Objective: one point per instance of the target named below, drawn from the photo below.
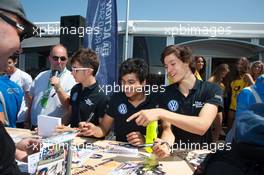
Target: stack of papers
(47, 125)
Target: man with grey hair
(51, 88)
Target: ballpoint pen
(150, 144)
(81, 124)
(90, 117)
(145, 145)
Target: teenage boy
(132, 76)
(87, 102)
(190, 105)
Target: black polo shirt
(202, 92)
(87, 102)
(120, 109)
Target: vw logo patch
(122, 108)
(173, 105)
(74, 96)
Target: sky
(157, 10)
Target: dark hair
(245, 64)
(87, 58)
(136, 66)
(181, 52)
(202, 71)
(14, 57)
(253, 65)
(219, 70)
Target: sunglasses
(56, 58)
(21, 28)
(75, 69)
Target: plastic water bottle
(151, 134)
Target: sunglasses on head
(21, 28)
(56, 58)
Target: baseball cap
(15, 7)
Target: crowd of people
(191, 109)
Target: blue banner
(102, 18)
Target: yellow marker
(151, 134)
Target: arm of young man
(89, 129)
(167, 134)
(162, 147)
(66, 118)
(193, 124)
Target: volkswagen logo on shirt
(122, 108)
(173, 105)
(74, 96)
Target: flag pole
(126, 39)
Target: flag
(102, 18)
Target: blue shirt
(246, 98)
(13, 95)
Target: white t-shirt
(24, 80)
(54, 107)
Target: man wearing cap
(14, 27)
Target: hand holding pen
(161, 149)
(82, 124)
(63, 128)
(87, 128)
